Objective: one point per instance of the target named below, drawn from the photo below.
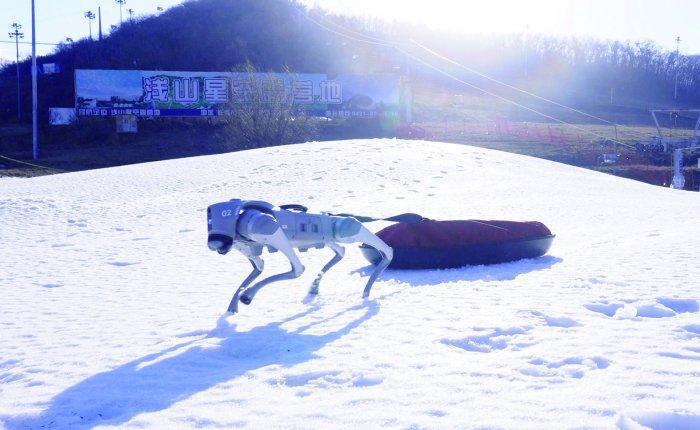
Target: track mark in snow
(646, 310)
(571, 367)
(693, 329)
(603, 281)
(121, 263)
(496, 339)
(325, 379)
(604, 308)
(680, 305)
(61, 245)
(662, 307)
(306, 378)
(671, 354)
(565, 322)
(78, 223)
(562, 321)
(8, 377)
(51, 285)
(660, 420)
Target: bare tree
(265, 115)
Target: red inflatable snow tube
(444, 244)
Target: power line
(29, 43)
(345, 35)
(505, 99)
(483, 75)
(514, 103)
(33, 165)
(349, 30)
(384, 42)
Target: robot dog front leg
(264, 229)
(258, 266)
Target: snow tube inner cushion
(444, 244)
(431, 233)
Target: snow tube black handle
(294, 207)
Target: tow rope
(408, 218)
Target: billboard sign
(50, 68)
(162, 93)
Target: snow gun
(249, 226)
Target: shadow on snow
(156, 381)
(486, 273)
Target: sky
(58, 19)
(623, 20)
(660, 21)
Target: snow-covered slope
(110, 305)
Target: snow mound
(112, 304)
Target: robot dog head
(221, 225)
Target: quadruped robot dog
(248, 226)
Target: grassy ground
(481, 121)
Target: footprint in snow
(553, 321)
(121, 263)
(680, 305)
(662, 307)
(660, 420)
(61, 245)
(604, 308)
(571, 367)
(329, 378)
(496, 339)
(692, 329)
(693, 354)
(81, 223)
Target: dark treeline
(219, 35)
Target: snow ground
(111, 301)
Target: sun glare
(504, 16)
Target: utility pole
(121, 3)
(90, 16)
(99, 23)
(17, 35)
(678, 50)
(131, 15)
(35, 92)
